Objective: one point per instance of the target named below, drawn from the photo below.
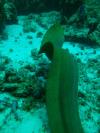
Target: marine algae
(62, 85)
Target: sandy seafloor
(18, 48)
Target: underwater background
(38, 37)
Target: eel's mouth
(48, 49)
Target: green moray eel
(62, 86)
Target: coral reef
(81, 16)
(30, 6)
(84, 23)
(27, 81)
(29, 25)
(2, 17)
(24, 72)
(89, 91)
(10, 12)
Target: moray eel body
(61, 91)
